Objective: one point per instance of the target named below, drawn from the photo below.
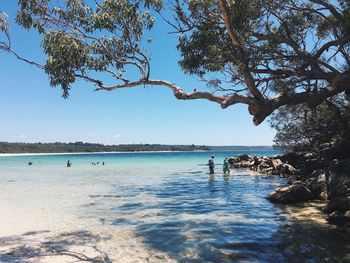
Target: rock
(289, 169)
(323, 196)
(263, 165)
(339, 218)
(339, 151)
(310, 165)
(277, 163)
(325, 148)
(268, 163)
(247, 164)
(234, 160)
(338, 178)
(317, 186)
(340, 204)
(256, 160)
(244, 157)
(269, 170)
(290, 194)
(292, 158)
(319, 173)
(309, 155)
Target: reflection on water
(174, 208)
(307, 241)
(219, 218)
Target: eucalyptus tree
(301, 128)
(262, 53)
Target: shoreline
(81, 153)
(78, 153)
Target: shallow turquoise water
(169, 201)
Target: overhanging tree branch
(257, 55)
(241, 56)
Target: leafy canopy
(262, 53)
(300, 128)
(79, 39)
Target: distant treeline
(240, 148)
(59, 147)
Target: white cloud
(116, 136)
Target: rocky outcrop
(291, 194)
(264, 165)
(338, 182)
(338, 178)
(339, 204)
(313, 188)
(321, 178)
(318, 187)
(339, 218)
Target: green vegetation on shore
(59, 147)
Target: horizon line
(171, 144)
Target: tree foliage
(262, 53)
(80, 39)
(299, 127)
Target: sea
(154, 207)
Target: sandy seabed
(40, 222)
(47, 236)
(77, 246)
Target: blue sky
(32, 111)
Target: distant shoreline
(10, 149)
(77, 153)
(85, 153)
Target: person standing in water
(211, 165)
(226, 166)
(69, 164)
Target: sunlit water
(153, 207)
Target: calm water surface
(169, 202)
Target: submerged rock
(290, 194)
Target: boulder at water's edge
(290, 194)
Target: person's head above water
(212, 156)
